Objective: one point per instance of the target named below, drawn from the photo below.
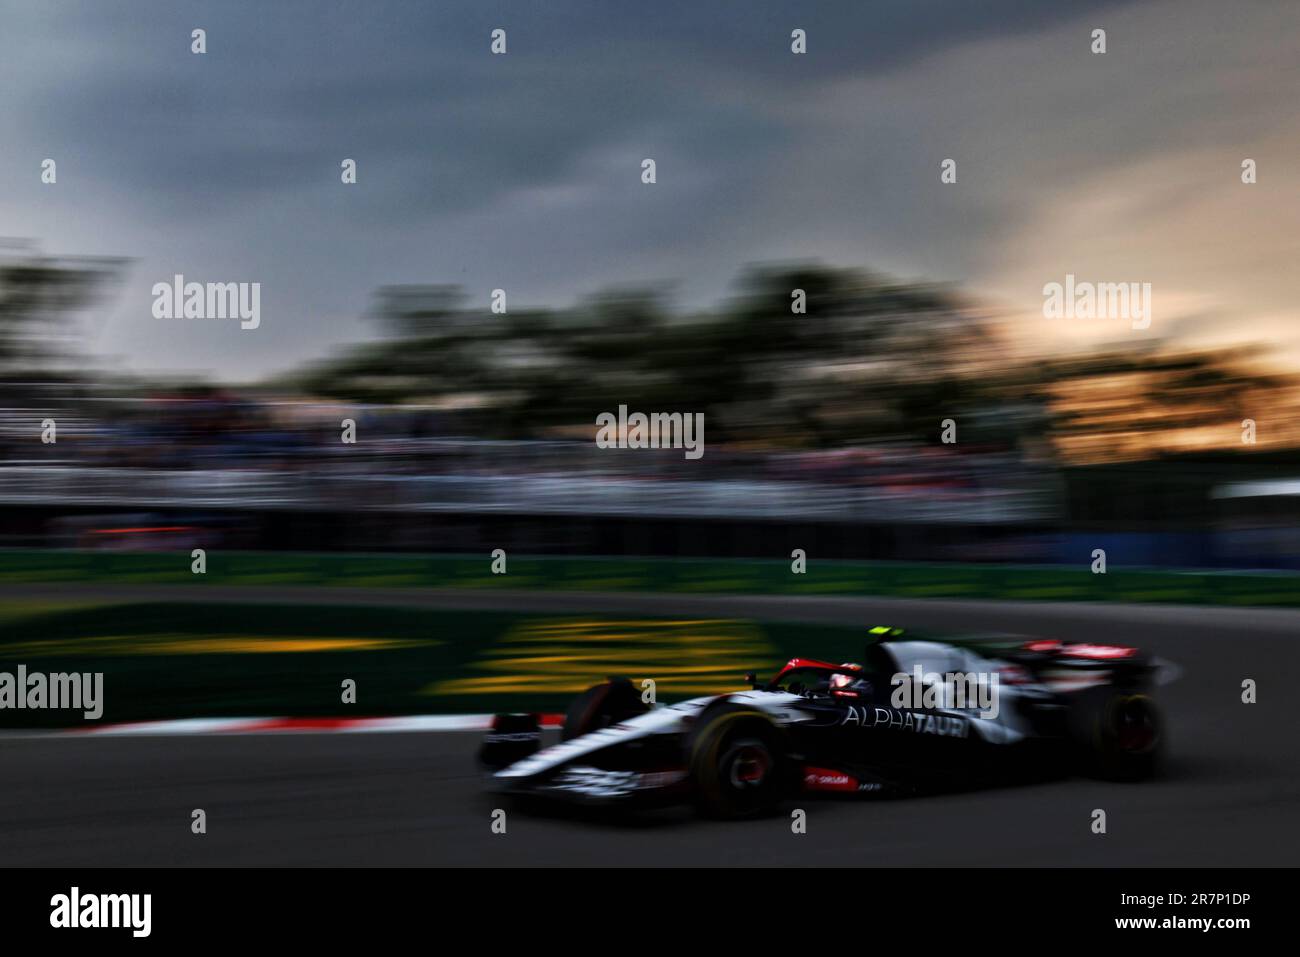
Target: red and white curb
(417, 722)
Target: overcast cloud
(523, 171)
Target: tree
(39, 298)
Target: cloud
(522, 171)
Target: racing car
(896, 722)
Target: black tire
(511, 738)
(737, 762)
(1119, 734)
(600, 706)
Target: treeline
(804, 357)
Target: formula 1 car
(898, 722)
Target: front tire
(737, 763)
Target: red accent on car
(1047, 644)
(807, 663)
(824, 779)
(1080, 649)
(1014, 675)
(1098, 651)
(142, 529)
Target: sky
(523, 171)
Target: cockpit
(824, 680)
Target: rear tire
(737, 763)
(600, 706)
(1119, 734)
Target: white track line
(418, 722)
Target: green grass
(918, 580)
